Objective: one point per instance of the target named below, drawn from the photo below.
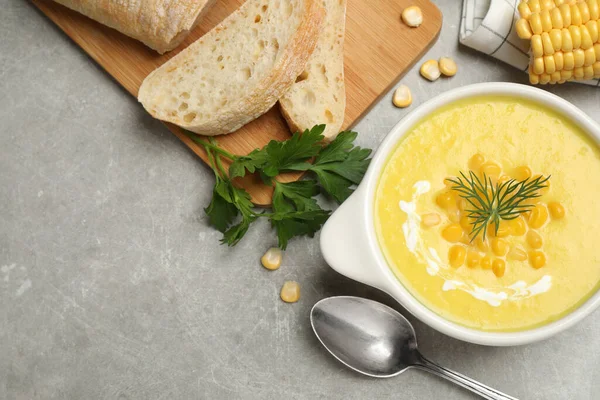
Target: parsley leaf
(295, 196)
(340, 165)
(290, 155)
(221, 211)
(297, 223)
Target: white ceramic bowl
(349, 243)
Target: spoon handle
(482, 390)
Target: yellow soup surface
(536, 268)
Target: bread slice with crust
(238, 70)
(159, 24)
(319, 94)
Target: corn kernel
(555, 39)
(576, 19)
(453, 214)
(431, 219)
(473, 258)
(557, 211)
(546, 20)
(569, 61)
(465, 223)
(584, 11)
(457, 255)
(567, 41)
(447, 66)
(524, 11)
(578, 73)
(290, 292)
(430, 70)
(594, 10)
(538, 216)
(517, 254)
(549, 65)
(463, 204)
(544, 78)
(499, 267)
(523, 29)
(589, 57)
(452, 233)
(534, 79)
(559, 60)
(557, 20)
(486, 262)
(538, 65)
(491, 169)
(272, 258)
(592, 27)
(588, 72)
(522, 173)
(536, 24)
(412, 16)
(565, 11)
(547, 44)
(575, 36)
(475, 162)
(517, 226)
(502, 231)
(537, 259)
(596, 68)
(402, 97)
(586, 39)
(482, 244)
(503, 179)
(537, 46)
(445, 200)
(500, 247)
(534, 240)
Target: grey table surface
(112, 286)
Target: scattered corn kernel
(445, 200)
(431, 219)
(502, 231)
(453, 213)
(486, 262)
(499, 267)
(482, 244)
(412, 16)
(534, 239)
(473, 258)
(457, 255)
(517, 226)
(537, 259)
(557, 211)
(475, 162)
(452, 233)
(290, 292)
(500, 247)
(522, 173)
(538, 216)
(272, 258)
(491, 169)
(518, 254)
(430, 70)
(465, 223)
(447, 66)
(463, 204)
(402, 97)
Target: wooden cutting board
(378, 50)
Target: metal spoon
(377, 341)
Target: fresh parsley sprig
(492, 203)
(337, 166)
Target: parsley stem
(213, 147)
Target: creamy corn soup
(528, 270)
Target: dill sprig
(491, 203)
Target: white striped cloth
(489, 26)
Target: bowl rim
(394, 286)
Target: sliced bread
(159, 24)
(238, 70)
(319, 94)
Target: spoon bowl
(376, 340)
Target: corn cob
(564, 37)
